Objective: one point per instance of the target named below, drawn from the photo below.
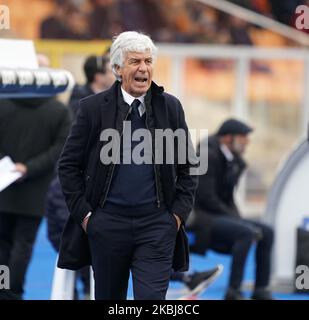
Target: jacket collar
(159, 110)
(154, 102)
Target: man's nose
(142, 66)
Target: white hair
(129, 41)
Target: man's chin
(140, 91)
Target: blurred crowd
(165, 20)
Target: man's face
(105, 80)
(239, 143)
(136, 72)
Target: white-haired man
(126, 217)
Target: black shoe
(199, 281)
(233, 294)
(262, 294)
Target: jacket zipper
(154, 165)
(113, 169)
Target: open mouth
(141, 79)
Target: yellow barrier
(56, 49)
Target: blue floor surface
(39, 277)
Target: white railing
(242, 55)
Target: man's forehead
(138, 55)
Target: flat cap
(233, 126)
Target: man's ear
(118, 70)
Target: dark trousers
(17, 236)
(235, 236)
(84, 275)
(144, 245)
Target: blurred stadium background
(221, 58)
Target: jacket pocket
(174, 221)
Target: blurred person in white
(32, 133)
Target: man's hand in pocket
(178, 221)
(85, 222)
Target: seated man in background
(218, 224)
